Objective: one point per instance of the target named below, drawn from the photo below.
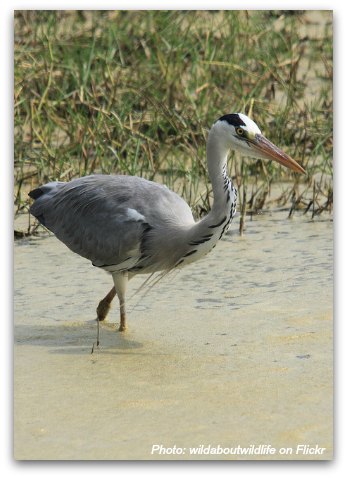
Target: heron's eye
(240, 131)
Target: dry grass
(133, 92)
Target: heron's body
(127, 225)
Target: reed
(133, 92)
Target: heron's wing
(106, 218)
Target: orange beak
(269, 151)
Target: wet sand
(233, 350)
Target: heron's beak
(269, 151)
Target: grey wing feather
(106, 218)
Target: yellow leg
(105, 304)
(123, 320)
(120, 283)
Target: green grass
(134, 92)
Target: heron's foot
(103, 309)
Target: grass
(134, 92)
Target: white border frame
(225, 468)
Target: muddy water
(235, 350)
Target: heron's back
(111, 219)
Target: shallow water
(233, 350)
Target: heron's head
(240, 133)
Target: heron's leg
(105, 305)
(120, 283)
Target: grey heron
(128, 225)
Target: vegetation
(134, 92)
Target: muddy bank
(233, 350)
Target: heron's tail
(42, 196)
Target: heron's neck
(217, 154)
(204, 234)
